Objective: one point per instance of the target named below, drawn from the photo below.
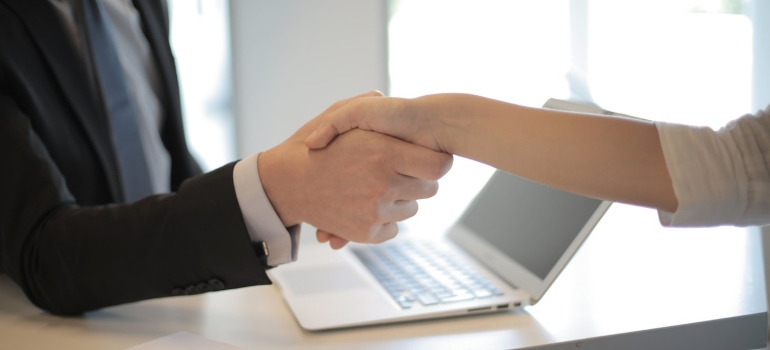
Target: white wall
(294, 58)
(760, 16)
(200, 37)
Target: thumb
(337, 122)
(322, 135)
(327, 131)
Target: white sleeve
(261, 220)
(719, 177)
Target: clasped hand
(355, 188)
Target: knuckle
(435, 167)
(405, 210)
(420, 189)
(391, 230)
(373, 216)
(374, 234)
(443, 164)
(385, 232)
(448, 162)
(380, 191)
(394, 190)
(413, 209)
(435, 172)
(431, 188)
(380, 158)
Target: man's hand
(356, 188)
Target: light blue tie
(135, 176)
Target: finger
(333, 125)
(341, 103)
(385, 232)
(310, 128)
(322, 236)
(336, 242)
(400, 210)
(333, 108)
(413, 188)
(420, 162)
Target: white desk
(629, 287)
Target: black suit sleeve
(70, 259)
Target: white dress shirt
(719, 177)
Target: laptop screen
(531, 223)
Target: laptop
(504, 252)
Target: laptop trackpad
(322, 280)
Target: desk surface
(633, 284)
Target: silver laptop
(504, 252)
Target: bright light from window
(516, 51)
(200, 40)
(658, 60)
(675, 60)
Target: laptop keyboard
(419, 272)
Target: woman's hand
(397, 117)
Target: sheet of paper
(183, 341)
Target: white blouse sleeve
(719, 177)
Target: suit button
(202, 288)
(190, 290)
(177, 291)
(216, 284)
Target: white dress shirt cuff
(262, 222)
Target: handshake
(354, 187)
(354, 184)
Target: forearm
(598, 156)
(69, 259)
(84, 258)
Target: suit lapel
(155, 27)
(156, 30)
(49, 33)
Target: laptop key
(454, 298)
(444, 294)
(427, 299)
(495, 291)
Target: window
(682, 61)
(686, 61)
(200, 40)
(516, 51)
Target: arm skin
(603, 157)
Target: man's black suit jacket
(61, 237)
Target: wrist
(442, 115)
(275, 173)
